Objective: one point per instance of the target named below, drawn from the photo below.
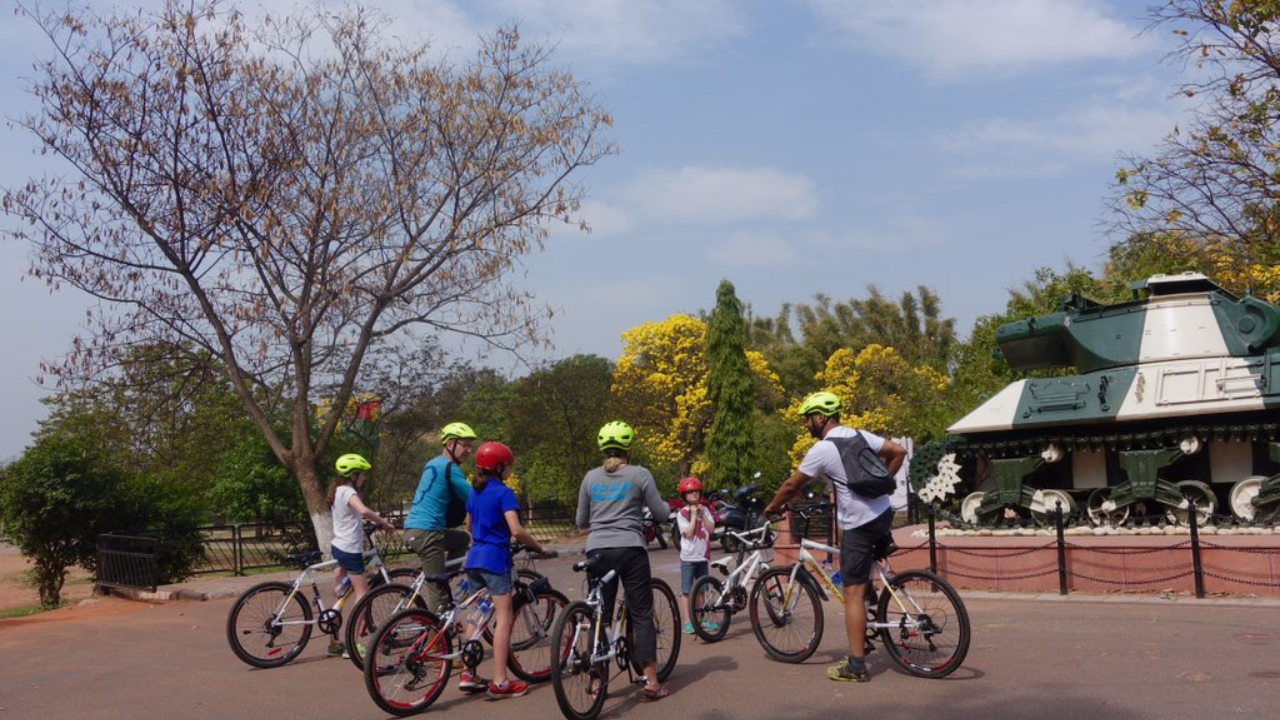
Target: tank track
(1148, 449)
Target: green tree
(54, 502)
(913, 326)
(730, 387)
(553, 418)
(287, 194)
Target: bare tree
(289, 193)
(1215, 180)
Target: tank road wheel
(969, 507)
(1206, 503)
(1045, 504)
(1242, 494)
(1102, 509)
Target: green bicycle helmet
(457, 431)
(824, 403)
(350, 464)
(615, 435)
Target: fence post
(933, 540)
(1062, 551)
(237, 551)
(1197, 569)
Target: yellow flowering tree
(660, 389)
(880, 392)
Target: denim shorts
(351, 562)
(498, 583)
(690, 571)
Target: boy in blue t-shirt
(495, 519)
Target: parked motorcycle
(742, 512)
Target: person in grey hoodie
(611, 504)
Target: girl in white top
(695, 523)
(348, 528)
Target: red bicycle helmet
(689, 484)
(495, 457)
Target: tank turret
(1173, 402)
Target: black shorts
(855, 548)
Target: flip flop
(650, 695)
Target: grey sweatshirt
(612, 506)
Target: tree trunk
(313, 491)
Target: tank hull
(1174, 408)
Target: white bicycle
(712, 601)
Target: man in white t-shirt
(863, 520)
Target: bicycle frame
(880, 570)
(307, 576)
(750, 566)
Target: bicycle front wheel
(531, 655)
(263, 630)
(580, 685)
(710, 609)
(929, 637)
(666, 629)
(373, 609)
(406, 669)
(786, 615)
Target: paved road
(1042, 658)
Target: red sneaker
(469, 682)
(510, 689)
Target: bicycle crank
(330, 622)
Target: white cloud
(958, 39)
(1098, 129)
(723, 195)
(754, 248)
(596, 34)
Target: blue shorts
(690, 571)
(351, 562)
(498, 583)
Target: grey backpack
(867, 473)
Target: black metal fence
(128, 561)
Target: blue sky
(793, 147)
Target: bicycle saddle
(304, 559)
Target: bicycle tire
(709, 609)
(370, 612)
(400, 675)
(402, 576)
(573, 675)
(938, 648)
(789, 626)
(666, 629)
(255, 632)
(531, 655)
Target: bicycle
(918, 617)
(712, 602)
(270, 623)
(411, 658)
(380, 604)
(586, 646)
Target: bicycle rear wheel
(265, 632)
(666, 629)
(373, 609)
(531, 655)
(930, 633)
(406, 671)
(786, 615)
(580, 685)
(710, 609)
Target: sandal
(650, 695)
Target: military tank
(1175, 405)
